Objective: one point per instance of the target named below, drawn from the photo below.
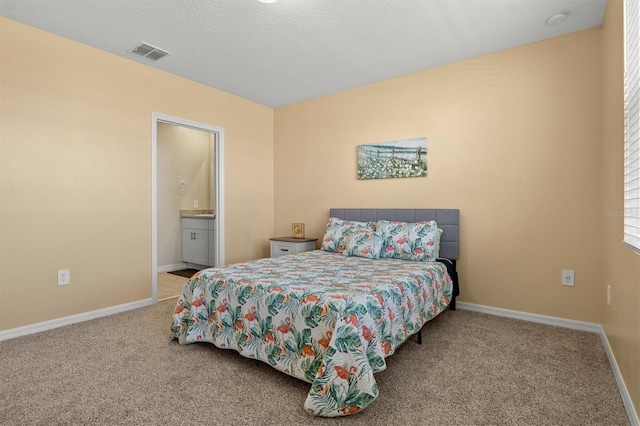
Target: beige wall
(75, 173)
(514, 143)
(621, 267)
(183, 155)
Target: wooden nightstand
(282, 246)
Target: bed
(328, 318)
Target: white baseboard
(526, 316)
(72, 319)
(566, 323)
(174, 267)
(626, 399)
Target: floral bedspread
(322, 317)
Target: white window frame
(632, 124)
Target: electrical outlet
(64, 277)
(195, 204)
(567, 277)
(608, 295)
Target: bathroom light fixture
(267, 1)
(558, 18)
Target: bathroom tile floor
(170, 285)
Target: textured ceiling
(293, 50)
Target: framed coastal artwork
(401, 158)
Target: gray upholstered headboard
(448, 220)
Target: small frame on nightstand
(297, 230)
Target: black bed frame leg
(420, 337)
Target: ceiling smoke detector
(149, 51)
(558, 18)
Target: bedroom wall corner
(513, 141)
(621, 266)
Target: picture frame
(402, 158)
(297, 230)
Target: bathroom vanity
(198, 239)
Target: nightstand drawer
(280, 249)
(285, 246)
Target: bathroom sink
(210, 216)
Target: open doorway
(209, 198)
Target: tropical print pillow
(337, 229)
(410, 241)
(363, 243)
(436, 251)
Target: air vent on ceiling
(148, 51)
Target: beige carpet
(472, 369)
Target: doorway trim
(218, 185)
